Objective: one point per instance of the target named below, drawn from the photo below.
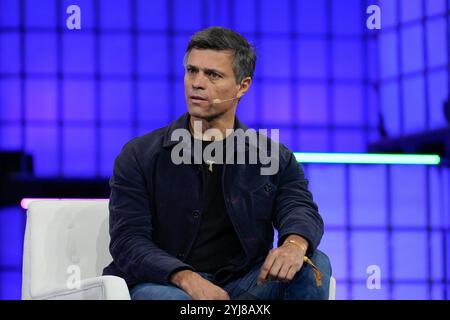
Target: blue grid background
(73, 98)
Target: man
(204, 231)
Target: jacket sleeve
(131, 246)
(296, 212)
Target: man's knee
(153, 291)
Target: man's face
(209, 75)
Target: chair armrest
(332, 293)
(99, 288)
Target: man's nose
(199, 81)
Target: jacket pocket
(263, 201)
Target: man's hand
(198, 287)
(285, 261)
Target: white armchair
(65, 251)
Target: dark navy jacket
(155, 207)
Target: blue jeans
(302, 287)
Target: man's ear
(244, 86)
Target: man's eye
(214, 75)
(190, 70)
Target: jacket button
(180, 255)
(196, 213)
(268, 187)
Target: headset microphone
(216, 101)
